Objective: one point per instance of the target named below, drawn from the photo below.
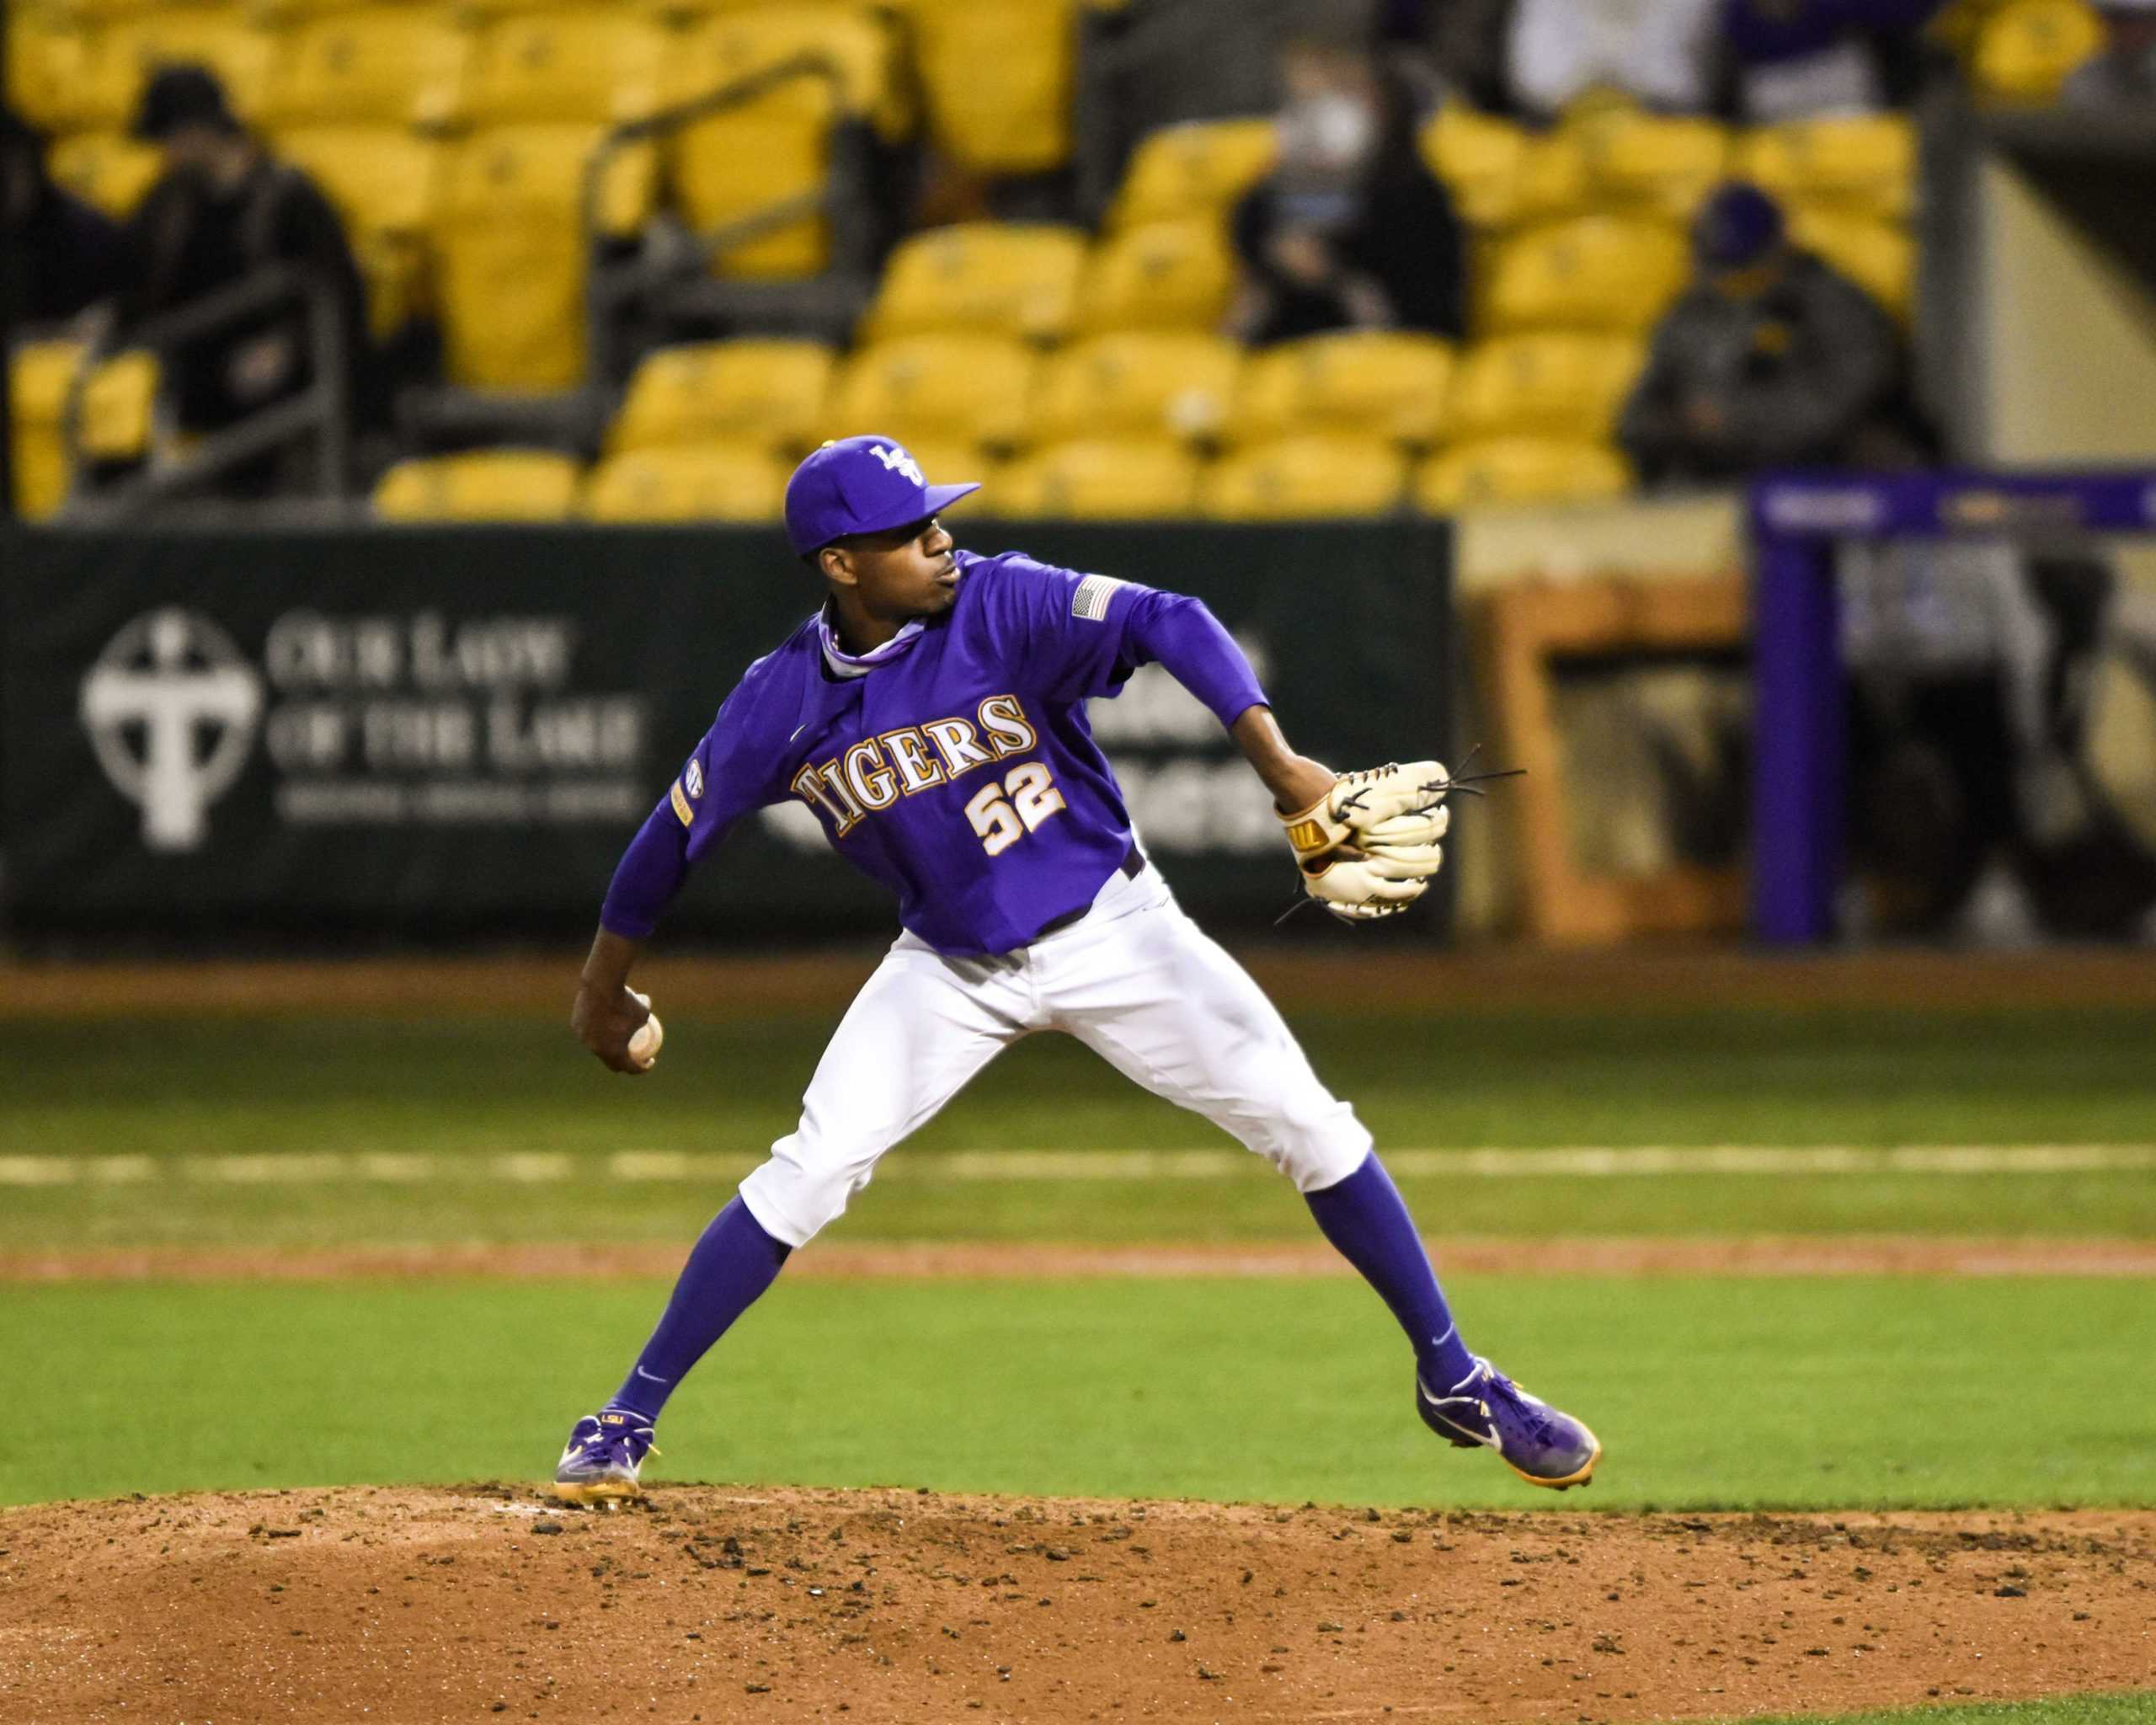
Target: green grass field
(1827, 1393)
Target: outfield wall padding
(446, 733)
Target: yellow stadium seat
(767, 395)
(48, 64)
(223, 38)
(1201, 168)
(106, 169)
(990, 278)
(380, 66)
(511, 254)
(690, 482)
(1141, 383)
(1547, 382)
(1878, 256)
(486, 485)
(120, 401)
(1305, 478)
(1478, 157)
(998, 79)
(1098, 478)
(1553, 182)
(1162, 275)
(596, 65)
(1502, 472)
(862, 47)
(1863, 165)
(38, 376)
(1650, 164)
(969, 389)
(1593, 272)
(2027, 51)
(386, 184)
(1374, 383)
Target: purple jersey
(954, 764)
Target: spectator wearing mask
(223, 210)
(1662, 53)
(2123, 75)
(72, 255)
(1795, 58)
(1350, 230)
(1770, 360)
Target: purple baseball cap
(860, 485)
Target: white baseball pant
(1134, 980)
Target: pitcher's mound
(728, 1603)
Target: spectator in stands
(1458, 46)
(72, 255)
(2124, 75)
(1770, 360)
(1660, 52)
(223, 210)
(1350, 230)
(1791, 58)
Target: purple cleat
(1487, 1410)
(599, 1462)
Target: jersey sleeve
(1078, 636)
(728, 777)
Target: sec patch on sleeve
(682, 811)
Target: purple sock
(1365, 1220)
(728, 1269)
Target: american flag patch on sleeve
(1090, 599)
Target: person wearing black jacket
(72, 255)
(1350, 230)
(223, 210)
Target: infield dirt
(719, 1604)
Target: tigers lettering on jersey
(875, 772)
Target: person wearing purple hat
(1772, 359)
(931, 714)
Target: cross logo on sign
(898, 462)
(170, 709)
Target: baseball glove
(1367, 848)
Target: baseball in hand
(650, 1035)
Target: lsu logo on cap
(898, 462)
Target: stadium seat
(1553, 182)
(39, 374)
(1373, 383)
(1500, 472)
(1305, 478)
(936, 389)
(511, 252)
(690, 482)
(48, 63)
(486, 485)
(1477, 157)
(998, 80)
(379, 65)
(1649, 164)
(120, 401)
(1162, 275)
(1878, 256)
(105, 169)
(768, 395)
(1137, 384)
(1201, 168)
(1861, 164)
(223, 38)
(1556, 383)
(989, 277)
(1593, 272)
(386, 184)
(2027, 51)
(863, 46)
(733, 169)
(1097, 478)
(594, 66)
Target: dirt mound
(726, 1604)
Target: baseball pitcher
(932, 713)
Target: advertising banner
(442, 732)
